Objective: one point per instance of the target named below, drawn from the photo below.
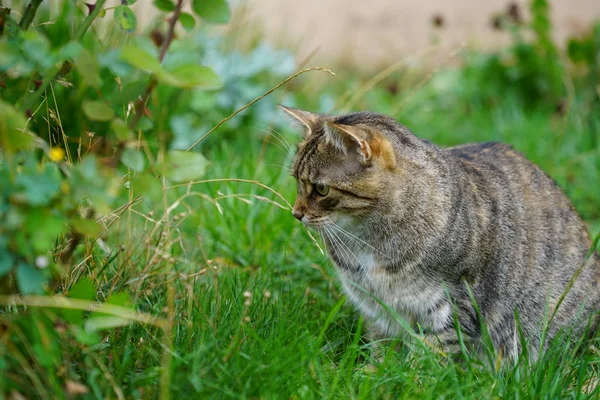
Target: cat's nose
(297, 214)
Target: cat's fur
(416, 226)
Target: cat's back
(523, 194)
(538, 238)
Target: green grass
(256, 310)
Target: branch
(4, 13)
(29, 14)
(65, 68)
(140, 105)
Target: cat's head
(349, 166)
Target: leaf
(183, 166)
(85, 337)
(121, 130)
(13, 136)
(98, 110)
(43, 227)
(216, 11)
(29, 279)
(194, 76)
(40, 188)
(86, 226)
(184, 76)
(6, 262)
(122, 299)
(128, 2)
(140, 59)
(134, 159)
(129, 93)
(146, 185)
(84, 290)
(187, 21)
(164, 5)
(125, 18)
(88, 68)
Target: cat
(474, 231)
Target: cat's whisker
(346, 247)
(288, 169)
(283, 139)
(357, 239)
(279, 146)
(336, 246)
(287, 148)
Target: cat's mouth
(314, 222)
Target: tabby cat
(424, 229)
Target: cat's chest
(416, 298)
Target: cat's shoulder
(494, 152)
(481, 149)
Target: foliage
(149, 271)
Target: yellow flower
(57, 154)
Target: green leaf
(85, 337)
(193, 76)
(13, 136)
(183, 166)
(164, 5)
(187, 21)
(6, 262)
(129, 93)
(40, 187)
(120, 128)
(85, 64)
(140, 59)
(43, 227)
(147, 186)
(84, 290)
(122, 299)
(29, 279)
(128, 2)
(216, 11)
(125, 18)
(134, 159)
(98, 110)
(184, 76)
(86, 226)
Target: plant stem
(29, 14)
(4, 13)
(140, 105)
(89, 19)
(26, 102)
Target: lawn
(233, 297)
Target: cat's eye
(322, 189)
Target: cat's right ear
(304, 118)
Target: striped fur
(416, 227)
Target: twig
(4, 13)
(29, 14)
(259, 98)
(140, 105)
(65, 68)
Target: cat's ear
(349, 137)
(304, 118)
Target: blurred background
(368, 35)
(144, 164)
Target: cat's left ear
(305, 118)
(347, 138)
